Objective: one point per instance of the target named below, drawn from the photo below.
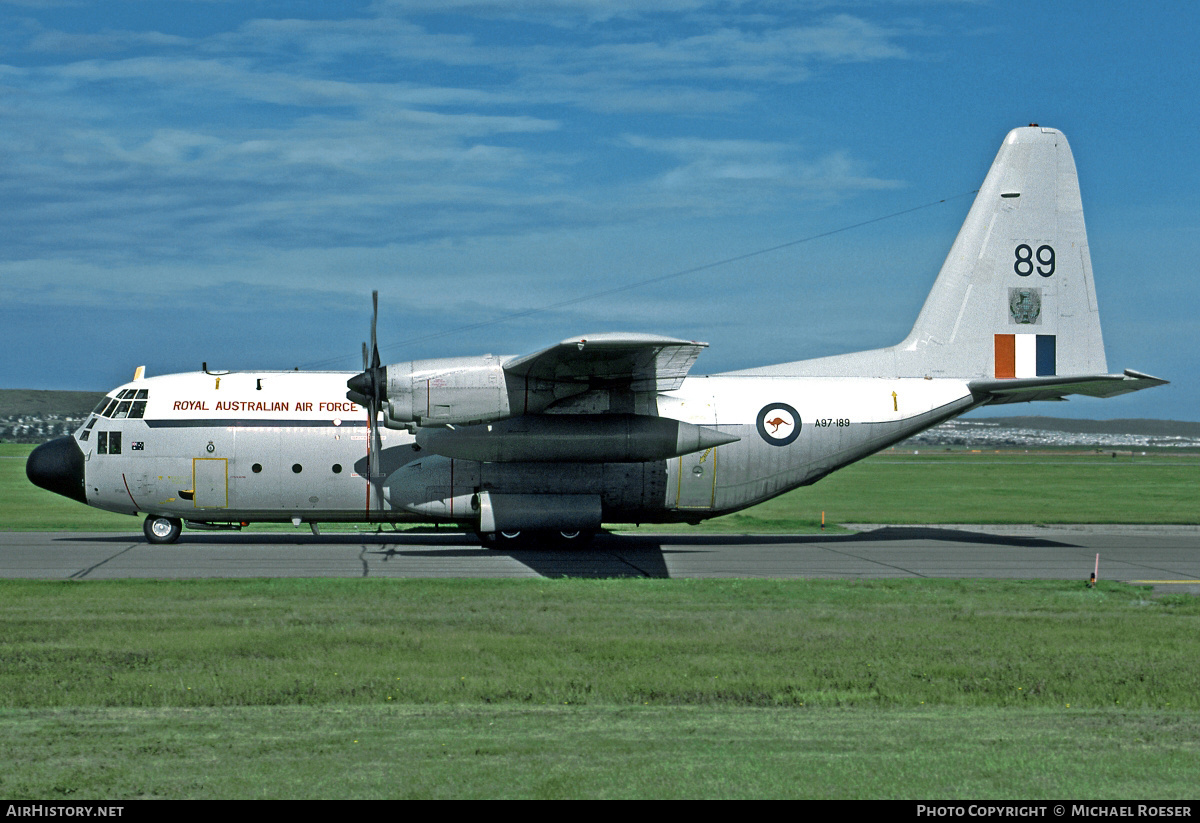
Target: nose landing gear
(162, 529)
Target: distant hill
(42, 403)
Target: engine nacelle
(453, 390)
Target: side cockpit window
(108, 442)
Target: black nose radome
(58, 467)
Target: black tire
(161, 530)
(504, 540)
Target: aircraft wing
(643, 362)
(1022, 390)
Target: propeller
(369, 389)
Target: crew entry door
(697, 480)
(210, 482)
(696, 473)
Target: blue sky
(228, 181)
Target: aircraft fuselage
(279, 446)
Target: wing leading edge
(641, 362)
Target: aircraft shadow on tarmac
(608, 555)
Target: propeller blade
(369, 389)
(374, 320)
(373, 461)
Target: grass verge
(597, 688)
(335, 752)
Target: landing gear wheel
(162, 529)
(502, 540)
(575, 539)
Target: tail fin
(1013, 310)
(1014, 298)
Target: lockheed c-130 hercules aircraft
(607, 428)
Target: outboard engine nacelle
(452, 390)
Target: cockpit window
(124, 404)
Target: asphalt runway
(1164, 556)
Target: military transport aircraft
(607, 427)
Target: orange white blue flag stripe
(1026, 355)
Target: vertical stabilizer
(1015, 297)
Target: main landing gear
(162, 529)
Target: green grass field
(625, 688)
(585, 688)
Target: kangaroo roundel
(778, 424)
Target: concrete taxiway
(1163, 556)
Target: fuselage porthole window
(337, 468)
(256, 468)
(297, 468)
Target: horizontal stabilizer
(1023, 390)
